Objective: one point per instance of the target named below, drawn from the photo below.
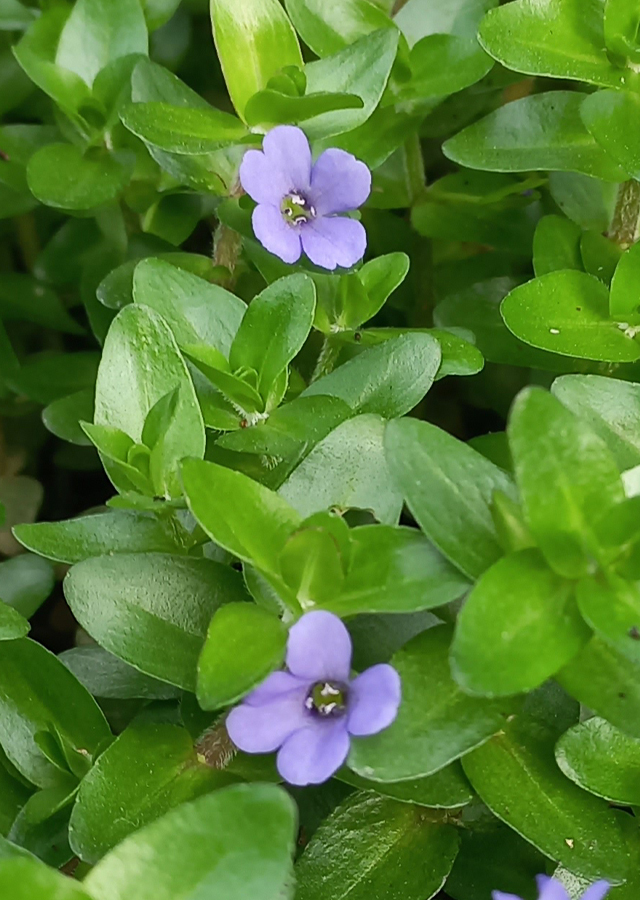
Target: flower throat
(296, 209)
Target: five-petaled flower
(550, 889)
(310, 712)
(299, 202)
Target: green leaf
(108, 677)
(556, 245)
(606, 682)
(443, 64)
(45, 377)
(244, 644)
(623, 301)
(99, 31)
(610, 407)
(38, 694)
(559, 38)
(567, 478)
(15, 16)
(394, 570)
(202, 847)
(36, 53)
(29, 879)
(621, 23)
(59, 175)
(274, 329)
(602, 760)
(196, 311)
(600, 255)
(437, 723)
(152, 610)
(451, 501)
(587, 201)
(330, 27)
(542, 131)
(254, 43)
(140, 364)
(613, 118)
(25, 582)
(346, 470)
(387, 849)
(147, 771)
(158, 12)
(42, 824)
(63, 416)
(460, 17)
(13, 796)
(241, 515)
(12, 624)
(22, 298)
(99, 534)
(516, 775)
(567, 312)
(182, 130)
(312, 564)
(272, 107)
(362, 69)
(380, 277)
(611, 606)
(519, 625)
(446, 789)
(388, 380)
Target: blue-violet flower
(299, 202)
(309, 712)
(550, 889)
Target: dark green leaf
(151, 610)
(519, 625)
(25, 582)
(556, 245)
(243, 645)
(613, 118)
(437, 722)
(451, 500)
(146, 772)
(108, 677)
(202, 847)
(59, 175)
(542, 131)
(181, 129)
(387, 850)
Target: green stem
(327, 359)
(227, 244)
(625, 225)
(414, 162)
(28, 239)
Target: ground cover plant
(319, 450)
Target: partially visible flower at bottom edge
(310, 712)
(550, 889)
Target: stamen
(327, 699)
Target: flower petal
(264, 728)
(319, 648)
(550, 889)
(275, 234)
(334, 241)
(500, 895)
(597, 891)
(274, 687)
(312, 755)
(287, 150)
(262, 180)
(374, 698)
(339, 183)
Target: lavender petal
(275, 234)
(550, 889)
(312, 755)
(374, 699)
(597, 891)
(339, 183)
(287, 150)
(274, 687)
(319, 648)
(500, 895)
(264, 728)
(334, 241)
(262, 180)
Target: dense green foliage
(199, 443)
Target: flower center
(296, 209)
(327, 699)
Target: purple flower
(550, 889)
(299, 202)
(309, 712)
